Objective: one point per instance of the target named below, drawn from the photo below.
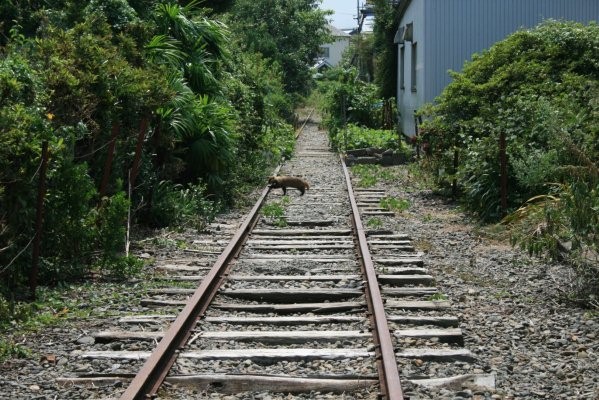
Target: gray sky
(345, 12)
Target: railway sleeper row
(425, 360)
(292, 315)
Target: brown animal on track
(284, 182)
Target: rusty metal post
(503, 172)
(39, 218)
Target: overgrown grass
(275, 211)
(9, 349)
(356, 137)
(394, 204)
(60, 306)
(370, 174)
(374, 223)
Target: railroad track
(306, 302)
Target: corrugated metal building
(435, 36)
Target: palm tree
(194, 135)
(195, 45)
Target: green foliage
(70, 224)
(347, 100)
(9, 349)
(535, 88)
(72, 74)
(191, 43)
(207, 144)
(394, 204)
(50, 307)
(374, 223)
(437, 297)
(275, 211)
(370, 174)
(118, 13)
(123, 267)
(110, 219)
(355, 137)
(386, 21)
(12, 312)
(179, 206)
(288, 32)
(565, 226)
(539, 88)
(360, 55)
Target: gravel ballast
(508, 305)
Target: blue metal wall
(452, 30)
(455, 29)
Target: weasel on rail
(284, 182)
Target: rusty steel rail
(149, 378)
(387, 365)
(299, 131)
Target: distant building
(331, 53)
(435, 36)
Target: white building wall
(336, 50)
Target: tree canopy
(538, 89)
(289, 32)
(167, 96)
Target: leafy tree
(199, 126)
(538, 88)
(386, 20)
(349, 100)
(288, 32)
(73, 73)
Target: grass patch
(369, 175)
(374, 223)
(275, 211)
(394, 204)
(61, 305)
(10, 349)
(437, 297)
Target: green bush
(355, 137)
(177, 205)
(348, 100)
(540, 89)
(217, 113)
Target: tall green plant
(288, 32)
(347, 99)
(190, 42)
(530, 88)
(538, 88)
(385, 26)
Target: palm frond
(162, 48)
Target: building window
(402, 67)
(324, 52)
(413, 69)
(408, 34)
